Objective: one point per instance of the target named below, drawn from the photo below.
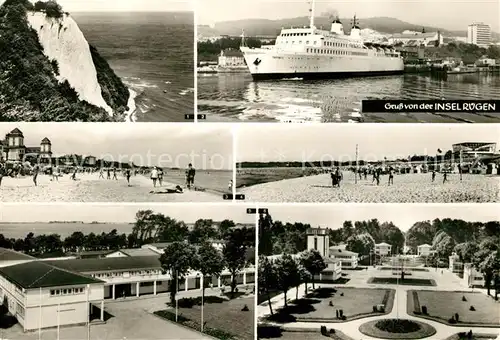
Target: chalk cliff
(49, 72)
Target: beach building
(40, 295)
(479, 34)
(383, 249)
(12, 148)
(318, 239)
(475, 149)
(230, 58)
(424, 250)
(472, 277)
(455, 265)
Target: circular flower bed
(397, 329)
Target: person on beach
(374, 173)
(445, 177)
(2, 173)
(154, 176)
(114, 174)
(36, 169)
(160, 176)
(73, 176)
(190, 173)
(365, 173)
(55, 173)
(109, 173)
(391, 176)
(101, 173)
(127, 175)
(230, 186)
(433, 175)
(177, 190)
(460, 170)
(377, 175)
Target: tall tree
(486, 260)
(265, 234)
(267, 278)
(177, 260)
(287, 273)
(361, 243)
(313, 262)
(234, 252)
(202, 231)
(209, 262)
(224, 227)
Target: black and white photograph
(371, 271)
(93, 162)
(97, 61)
(350, 163)
(299, 61)
(86, 271)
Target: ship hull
(323, 75)
(269, 64)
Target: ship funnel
(337, 27)
(355, 30)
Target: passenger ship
(311, 53)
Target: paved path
(445, 279)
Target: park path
(351, 328)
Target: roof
(33, 149)
(383, 244)
(36, 274)
(138, 252)
(15, 132)
(424, 245)
(92, 253)
(414, 35)
(232, 53)
(336, 251)
(12, 255)
(158, 245)
(109, 264)
(45, 141)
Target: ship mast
(311, 10)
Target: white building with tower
(318, 239)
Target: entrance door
(123, 290)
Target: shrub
(332, 331)
(424, 310)
(472, 308)
(341, 294)
(330, 303)
(268, 331)
(397, 326)
(40, 6)
(55, 66)
(375, 310)
(337, 313)
(457, 317)
(53, 10)
(452, 320)
(341, 312)
(463, 298)
(323, 330)
(245, 309)
(344, 317)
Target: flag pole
(203, 286)
(176, 292)
(356, 171)
(58, 319)
(88, 313)
(40, 317)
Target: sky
(447, 14)
(120, 213)
(402, 215)
(125, 5)
(165, 145)
(326, 142)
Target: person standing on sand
(109, 173)
(114, 174)
(36, 169)
(230, 186)
(101, 173)
(55, 173)
(127, 174)
(2, 173)
(391, 176)
(433, 175)
(190, 173)
(160, 176)
(445, 177)
(154, 176)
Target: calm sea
(152, 53)
(235, 97)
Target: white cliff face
(63, 41)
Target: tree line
(210, 50)
(287, 272)
(474, 242)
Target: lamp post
(356, 170)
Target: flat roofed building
(424, 250)
(383, 249)
(40, 295)
(348, 259)
(479, 34)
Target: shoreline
(131, 113)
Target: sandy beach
(89, 188)
(407, 188)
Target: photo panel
(378, 271)
(319, 61)
(97, 61)
(89, 271)
(96, 162)
(385, 163)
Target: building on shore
(479, 34)
(411, 38)
(472, 277)
(12, 148)
(231, 58)
(455, 265)
(319, 240)
(348, 259)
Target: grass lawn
(462, 336)
(354, 302)
(226, 316)
(406, 281)
(442, 305)
(301, 335)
